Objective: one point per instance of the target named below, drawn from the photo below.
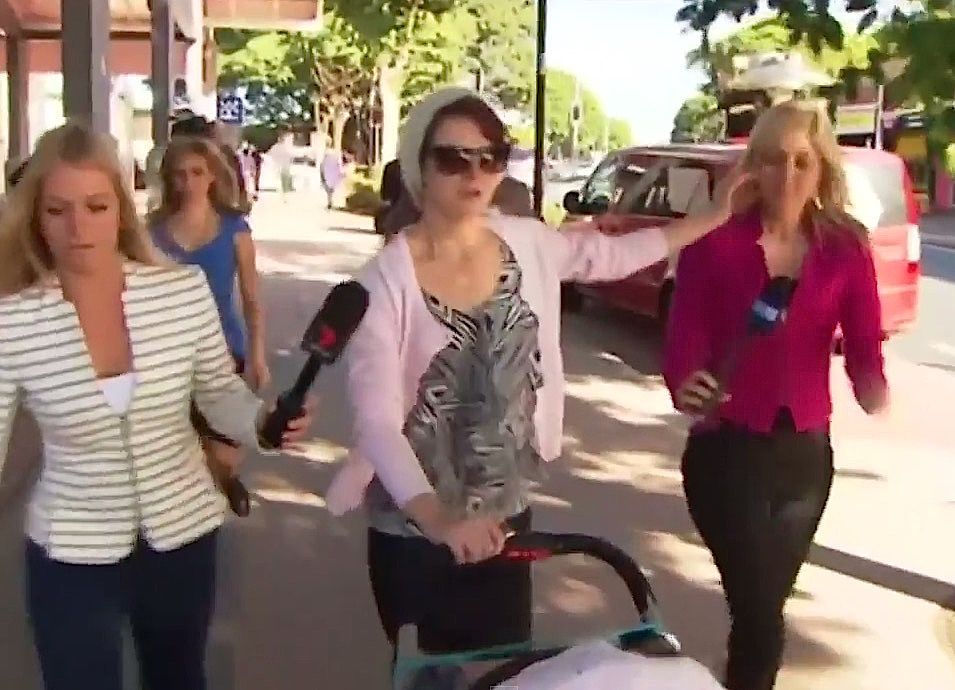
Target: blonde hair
(224, 190)
(828, 210)
(27, 260)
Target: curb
(947, 241)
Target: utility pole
(879, 117)
(540, 121)
(575, 121)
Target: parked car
(647, 186)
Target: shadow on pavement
(936, 365)
(883, 575)
(619, 336)
(859, 474)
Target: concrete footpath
(295, 610)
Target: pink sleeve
(584, 254)
(373, 371)
(861, 320)
(688, 344)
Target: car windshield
(876, 192)
(665, 187)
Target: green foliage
(554, 214)
(523, 136)
(773, 34)
(950, 158)
(424, 44)
(263, 63)
(411, 47)
(917, 37)
(362, 198)
(561, 92)
(621, 134)
(699, 119)
(504, 48)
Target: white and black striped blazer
(108, 478)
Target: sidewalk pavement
(295, 610)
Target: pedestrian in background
(757, 470)
(456, 382)
(513, 198)
(397, 209)
(106, 343)
(199, 222)
(257, 170)
(332, 171)
(282, 154)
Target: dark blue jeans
(756, 500)
(78, 612)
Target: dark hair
(195, 126)
(471, 108)
(392, 185)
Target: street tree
(773, 34)
(412, 44)
(620, 134)
(698, 119)
(299, 77)
(919, 35)
(260, 63)
(503, 52)
(418, 45)
(561, 93)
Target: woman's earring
(818, 202)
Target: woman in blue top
(198, 222)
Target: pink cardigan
(398, 338)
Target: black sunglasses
(457, 160)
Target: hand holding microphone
(704, 391)
(700, 392)
(324, 341)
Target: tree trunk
(391, 79)
(339, 120)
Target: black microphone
(767, 313)
(324, 341)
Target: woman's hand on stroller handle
(474, 539)
(471, 539)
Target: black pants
(455, 607)
(78, 612)
(756, 500)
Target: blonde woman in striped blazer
(106, 344)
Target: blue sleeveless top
(217, 259)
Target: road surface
(295, 610)
(933, 341)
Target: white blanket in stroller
(599, 665)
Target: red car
(646, 186)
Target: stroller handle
(538, 546)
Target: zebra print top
(471, 426)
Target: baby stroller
(646, 650)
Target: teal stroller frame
(485, 669)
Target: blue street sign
(230, 109)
